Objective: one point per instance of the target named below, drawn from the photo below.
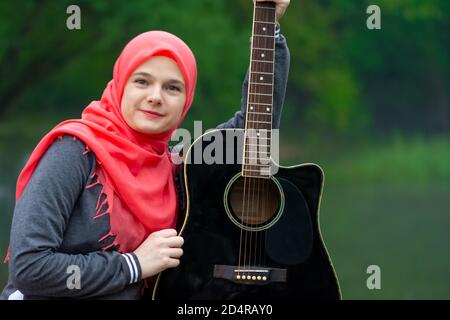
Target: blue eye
(174, 88)
(140, 81)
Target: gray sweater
(55, 251)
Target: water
(404, 231)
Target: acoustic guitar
(251, 227)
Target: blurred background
(371, 107)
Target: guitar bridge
(249, 275)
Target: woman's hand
(281, 6)
(161, 250)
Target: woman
(96, 202)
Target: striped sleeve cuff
(277, 30)
(133, 266)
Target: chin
(151, 130)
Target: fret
(265, 175)
(269, 73)
(267, 22)
(263, 61)
(260, 94)
(259, 125)
(262, 159)
(261, 113)
(258, 145)
(266, 147)
(261, 176)
(259, 138)
(265, 152)
(257, 157)
(262, 144)
(257, 174)
(262, 167)
(261, 171)
(259, 121)
(263, 35)
(270, 49)
(260, 83)
(260, 80)
(259, 168)
(261, 89)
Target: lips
(152, 114)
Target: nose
(154, 96)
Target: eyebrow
(145, 74)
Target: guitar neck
(258, 125)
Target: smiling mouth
(152, 114)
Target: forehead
(161, 66)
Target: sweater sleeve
(281, 73)
(36, 266)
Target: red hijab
(135, 169)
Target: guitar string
(245, 201)
(262, 180)
(253, 138)
(255, 142)
(262, 192)
(254, 207)
(248, 232)
(272, 104)
(263, 196)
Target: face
(154, 96)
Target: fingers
(172, 257)
(167, 238)
(174, 242)
(174, 253)
(165, 233)
(173, 263)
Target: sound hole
(254, 201)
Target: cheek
(125, 109)
(129, 99)
(179, 110)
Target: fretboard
(258, 126)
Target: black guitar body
(278, 256)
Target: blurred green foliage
(344, 77)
